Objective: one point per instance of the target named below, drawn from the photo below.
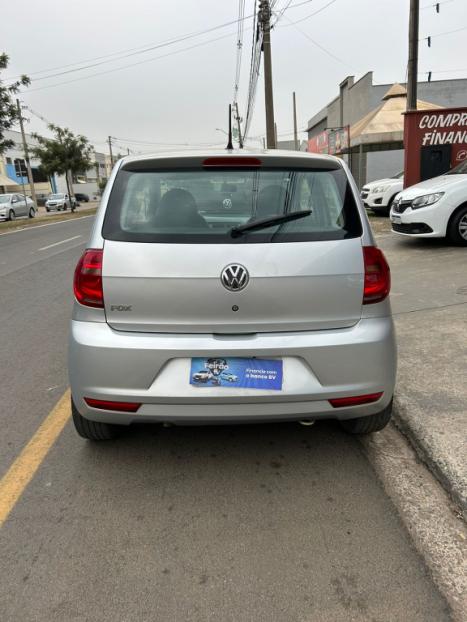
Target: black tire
(11, 215)
(369, 424)
(457, 223)
(93, 430)
(47, 209)
(32, 213)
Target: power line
(140, 51)
(435, 5)
(256, 45)
(318, 45)
(447, 32)
(281, 12)
(148, 60)
(302, 19)
(238, 67)
(132, 51)
(155, 144)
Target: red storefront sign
(319, 143)
(332, 141)
(434, 141)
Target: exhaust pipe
(307, 422)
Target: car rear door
(299, 276)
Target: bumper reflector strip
(125, 407)
(356, 400)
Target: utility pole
(111, 154)
(26, 157)
(237, 118)
(412, 74)
(264, 18)
(295, 131)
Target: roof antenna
(229, 144)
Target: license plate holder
(236, 373)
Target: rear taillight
(377, 275)
(355, 400)
(124, 407)
(87, 283)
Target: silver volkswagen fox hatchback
(231, 287)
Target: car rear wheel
(457, 229)
(93, 430)
(32, 212)
(369, 424)
(11, 215)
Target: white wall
(381, 164)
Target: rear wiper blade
(235, 232)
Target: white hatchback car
(435, 208)
(276, 309)
(378, 195)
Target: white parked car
(59, 202)
(435, 208)
(15, 204)
(379, 195)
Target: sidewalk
(431, 402)
(429, 300)
(82, 206)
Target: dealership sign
(444, 128)
(332, 141)
(433, 136)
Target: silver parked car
(287, 293)
(15, 205)
(59, 202)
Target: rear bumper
(154, 369)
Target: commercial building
(356, 100)
(13, 166)
(13, 177)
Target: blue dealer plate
(237, 373)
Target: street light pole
(412, 73)
(26, 157)
(111, 154)
(295, 131)
(264, 18)
(237, 118)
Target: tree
(64, 154)
(101, 184)
(8, 109)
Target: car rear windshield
(203, 206)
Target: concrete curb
(455, 489)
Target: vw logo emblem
(234, 277)
(227, 203)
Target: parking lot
(275, 522)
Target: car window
(203, 206)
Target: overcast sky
(183, 98)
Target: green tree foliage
(8, 109)
(64, 154)
(101, 184)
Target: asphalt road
(274, 523)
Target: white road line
(75, 237)
(48, 224)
